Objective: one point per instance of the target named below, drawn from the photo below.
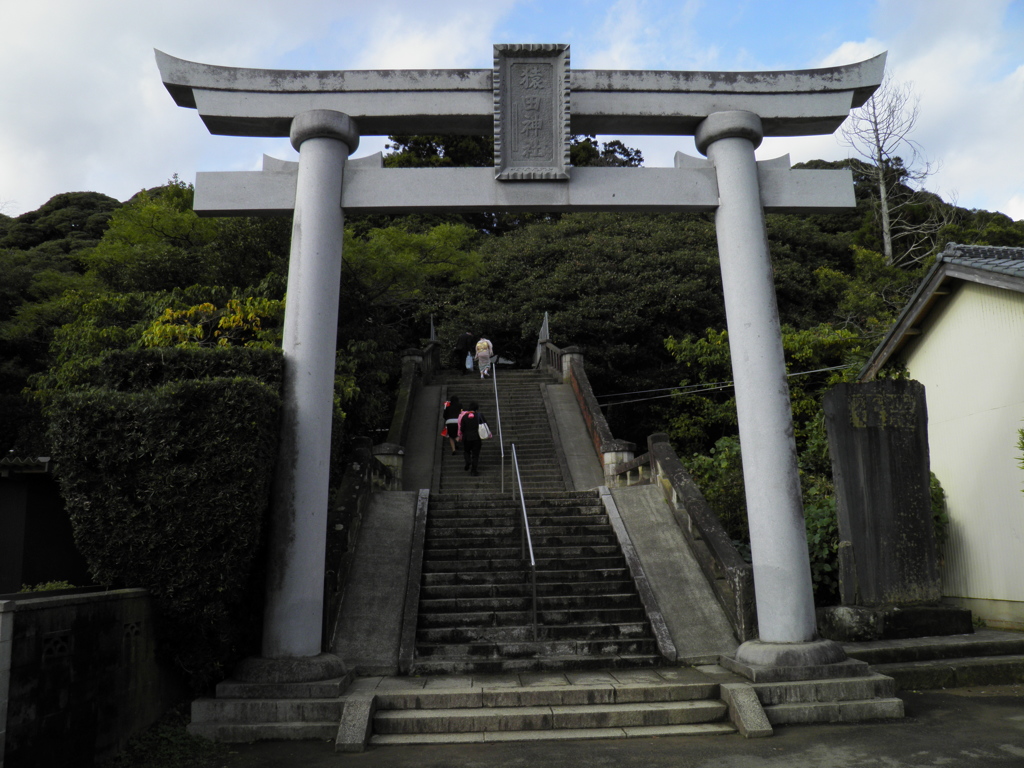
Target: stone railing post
(782, 576)
(570, 355)
(293, 617)
(390, 455)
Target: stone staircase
(525, 422)
(476, 596)
(475, 609)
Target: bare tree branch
(909, 219)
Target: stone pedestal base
(856, 623)
(763, 662)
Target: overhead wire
(695, 389)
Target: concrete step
(591, 704)
(519, 618)
(856, 711)
(984, 657)
(557, 717)
(320, 689)
(703, 729)
(245, 720)
(434, 551)
(520, 575)
(447, 524)
(511, 564)
(246, 733)
(539, 695)
(266, 710)
(564, 514)
(529, 649)
(986, 642)
(479, 531)
(520, 588)
(955, 673)
(523, 632)
(552, 500)
(456, 514)
(562, 602)
(839, 689)
(547, 663)
(545, 536)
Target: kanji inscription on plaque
(531, 112)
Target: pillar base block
(763, 662)
(301, 669)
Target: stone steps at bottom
(540, 713)
(565, 734)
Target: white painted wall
(971, 360)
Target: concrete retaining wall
(78, 675)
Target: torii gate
(533, 102)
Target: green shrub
(940, 519)
(167, 489)
(167, 744)
(719, 475)
(133, 370)
(47, 586)
(822, 540)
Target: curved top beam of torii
(236, 101)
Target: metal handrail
(497, 411)
(527, 540)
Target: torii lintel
(370, 188)
(238, 101)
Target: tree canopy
(89, 282)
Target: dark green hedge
(167, 489)
(132, 370)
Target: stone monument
(888, 569)
(532, 101)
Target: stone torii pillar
(778, 539)
(293, 617)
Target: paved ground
(982, 726)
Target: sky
(82, 106)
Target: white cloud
(972, 112)
(451, 35)
(82, 106)
(853, 52)
(1014, 207)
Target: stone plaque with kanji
(531, 112)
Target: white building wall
(971, 361)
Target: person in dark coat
(463, 347)
(469, 436)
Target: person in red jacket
(452, 411)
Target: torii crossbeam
(533, 102)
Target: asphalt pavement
(979, 727)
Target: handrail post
(497, 410)
(527, 538)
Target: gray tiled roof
(993, 258)
(23, 461)
(17, 465)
